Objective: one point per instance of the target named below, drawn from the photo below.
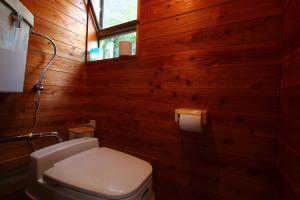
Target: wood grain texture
(288, 162)
(54, 16)
(252, 31)
(221, 55)
(64, 98)
(214, 16)
(79, 3)
(158, 9)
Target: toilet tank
(15, 24)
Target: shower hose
(38, 87)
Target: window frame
(127, 27)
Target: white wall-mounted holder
(191, 120)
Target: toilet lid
(102, 172)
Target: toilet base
(44, 190)
(54, 186)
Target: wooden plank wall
(65, 94)
(289, 151)
(223, 55)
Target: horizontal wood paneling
(241, 77)
(79, 3)
(54, 16)
(221, 55)
(59, 34)
(38, 60)
(257, 30)
(227, 56)
(64, 98)
(67, 8)
(214, 16)
(226, 99)
(159, 9)
(63, 50)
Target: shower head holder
(38, 87)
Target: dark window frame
(126, 27)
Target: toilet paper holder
(193, 119)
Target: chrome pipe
(31, 136)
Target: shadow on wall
(201, 163)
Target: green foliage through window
(115, 12)
(119, 12)
(109, 47)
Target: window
(116, 21)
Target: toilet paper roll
(125, 48)
(190, 123)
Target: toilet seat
(101, 172)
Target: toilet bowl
(80, 169)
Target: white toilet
(80, 169)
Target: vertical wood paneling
(221, 55)
(289, 119)
(65, 95)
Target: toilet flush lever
(17, 19)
